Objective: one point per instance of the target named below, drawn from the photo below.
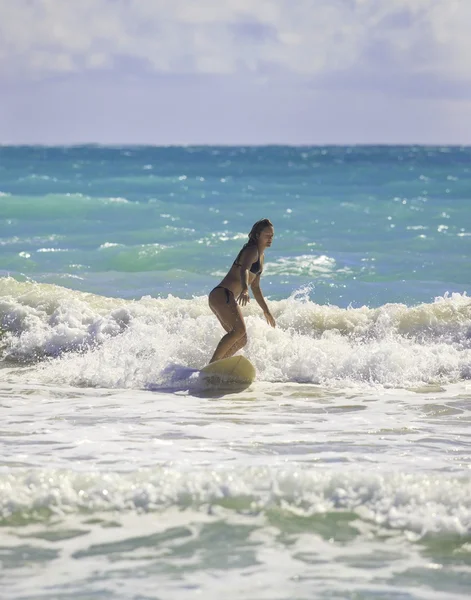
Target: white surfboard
(236, 369)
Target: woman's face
(266, 236)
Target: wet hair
(257, 229)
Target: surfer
(225, 298)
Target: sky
(235, 71)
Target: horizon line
(233, 145)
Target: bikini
(255, 269)
(228, 292)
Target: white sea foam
(109, 245)
(418, 503)
(117, 200)
(52, 250)
(305, 264)
(133, 343)
(35, 176)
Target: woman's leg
(226, 309)
(237, 346)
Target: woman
(234, 288)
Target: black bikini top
(255, 268)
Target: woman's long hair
(256, 230)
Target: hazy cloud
(235, 71)
(308, 38)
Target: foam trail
(96, 341)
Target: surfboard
(236, 369)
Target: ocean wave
(305, 265)
(64, 205)
(421, 504)
(107, 342)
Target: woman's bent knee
(243, 340)
(239, 330)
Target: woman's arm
(258, 295)
(249, 255)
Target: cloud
(267, 38)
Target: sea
(342, 472)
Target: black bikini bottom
(229, 293)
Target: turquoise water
(360, 225)
(343, 471)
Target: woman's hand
(244, 297)
(269, 318)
